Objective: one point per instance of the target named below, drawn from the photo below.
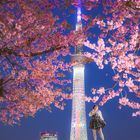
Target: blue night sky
(120, 124)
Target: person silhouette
(97, 122)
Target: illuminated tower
(78, 122)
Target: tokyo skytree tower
(78, 120)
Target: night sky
(120, 124)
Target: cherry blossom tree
(118, 46)
(37, 40)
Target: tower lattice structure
(78, 120)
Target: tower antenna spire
(79, 22)
(79, 12)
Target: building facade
(48, 136)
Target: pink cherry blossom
(101, 90)
(36, 46)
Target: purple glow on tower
(78, 14)
(79, 22)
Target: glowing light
(78, 70)
(79, 15)
(78, 125)
(79, 24)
